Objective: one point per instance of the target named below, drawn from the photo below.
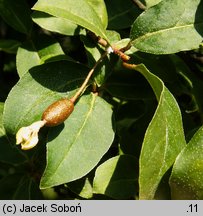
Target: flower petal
(28, 136)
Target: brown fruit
(58, 112)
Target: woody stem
(83, 86)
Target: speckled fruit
(58, 112)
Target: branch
(82, 88)
(121, 54)
(129, 66)
(106, 45)
(139, 4)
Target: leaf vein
(77, 135)
(143, 37)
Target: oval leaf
(168, 27)
(16, 14)
(38, 89)
(164, 138)
(79, 12)
(55, 24)
(38, 51)
(117, 177)
(85, 138)
(187, 175)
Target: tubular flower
(28, 136)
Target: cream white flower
(28, 136)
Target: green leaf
(55, 24)
(74, 143)
(64, 26)
(9, 46)
(121, 13)
(164, 138)
(8, 153)
(1, 117)
(156, 63)
(163, 191)
(100, 9)
(186, 180)
(168, 27)
(39, 88)
(82, 187)
(16, 14)
(192, 82)
(79, 12)
(150, 3)
(117, 177)
(123, 43)
(38, 51)
(127, 85)
(19, 187)
(133, 118)
(26, 51)
(113, 36)
(93, 54)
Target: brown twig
(139, 4)
(82, 88)
(98, 39)
(121, 54)
(129, 66)
(105, 44)
(126, 48)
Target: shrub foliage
(133, 70)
